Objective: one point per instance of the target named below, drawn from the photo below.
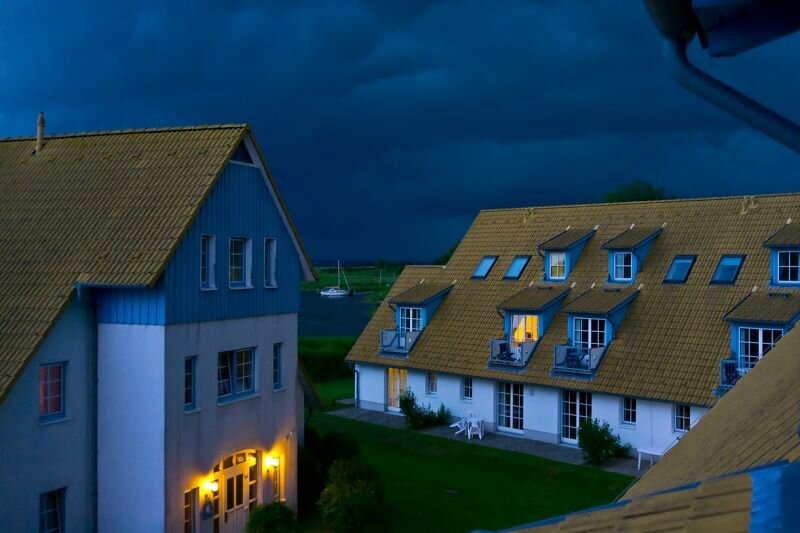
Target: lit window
(517, 266)
(629, 411)
(754, 343)
(466, 389)
(189, 366)
(188, 511)
(277, 366)
(208, 262)
(432, 383)
(789, 267)
(728, 269)
(557, 265)
(51, 391)
(484, 267)
(682, 417)
(679, 270)
(240, 262)
(270, 249)
(410, 319)
(51, 511)
(524, 328)
(623, 266)
(235, 373)
(589, 333)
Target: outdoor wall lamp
(272, 462)
(210, 486)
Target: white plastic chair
(461, 425)
(475, 428)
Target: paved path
(564, 454)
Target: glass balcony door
(397, 382)
(509, 407)
(575, 406)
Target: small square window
(789, 266)
(51, 391)
(728, 269)
(557, 265)
(270, 253)
(682, 417)
(432, 383)
(629, 411)
(623, 266)
(484, 267)
(679, 270)
(466, 389)
(240, 262)
(517, 266)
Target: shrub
(337, 445)
(310, 482)
(353, 496)
(274, 517)
(598, 443)
(419, 417)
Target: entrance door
(509, 407)
(397, 383)
(575, 406)
(238, 487)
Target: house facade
(638, 314)
(149, 332)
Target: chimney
(39, 132)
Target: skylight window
(517, 266)
(728, 269)
(484, 267)
(680, 268)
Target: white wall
(371, 387)
(35, 457)
(541, 413)
(130, 421)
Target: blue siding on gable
(240, 205)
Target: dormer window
(785, 255)
(410, 319)
(414, 308)
(557, 265)
(483, 268)
(524, 328)
(561, 252)
(788, 266)
(517, 266)
(589, 333)
(754, 343)
(623, 266)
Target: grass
(330, 391)
(376, 281)
(436, 484)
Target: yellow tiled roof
(754, 424)
(420, 293)
(104, 208)
(600, 300)
(565, 239)
(673, 336)
(770, 306)
(534, 298)
(714, 505)
(789, 235)
(630, 238)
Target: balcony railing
(510, 353)
(575, 360)
(397, 341)
(729, 374)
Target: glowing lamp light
(210, 486)
(251, 461)
(272, 462)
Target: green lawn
(330, 391)
(436, 484)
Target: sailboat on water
(337, 291)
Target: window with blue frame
(728, 269)
(754, 343)
(788, 266)
(556, 266)
(622, 266)
(189, 393)
(589, 333)
(517, 266)
(235, 373)
(240, 262)
(277, 366)
(483, 268)
(51, 391)
(208, 262)
(679, 269)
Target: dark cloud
(390, 124)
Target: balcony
(574, 360)
(503, 352)
(397, 341)
(729, 374)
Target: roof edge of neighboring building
(129, 131)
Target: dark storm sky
(389, 124)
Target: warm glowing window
(558, 265)
(524, 328)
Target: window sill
(279, 389)
(208, 289)
(466, 400)
(240, 287)
(627, 425)
(432, 394)
(236, 399)
(271, 286)
(191, 411)
(51, 421)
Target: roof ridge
(639, 202)
(128, 131)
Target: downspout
(727, 98)
(358, 385)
